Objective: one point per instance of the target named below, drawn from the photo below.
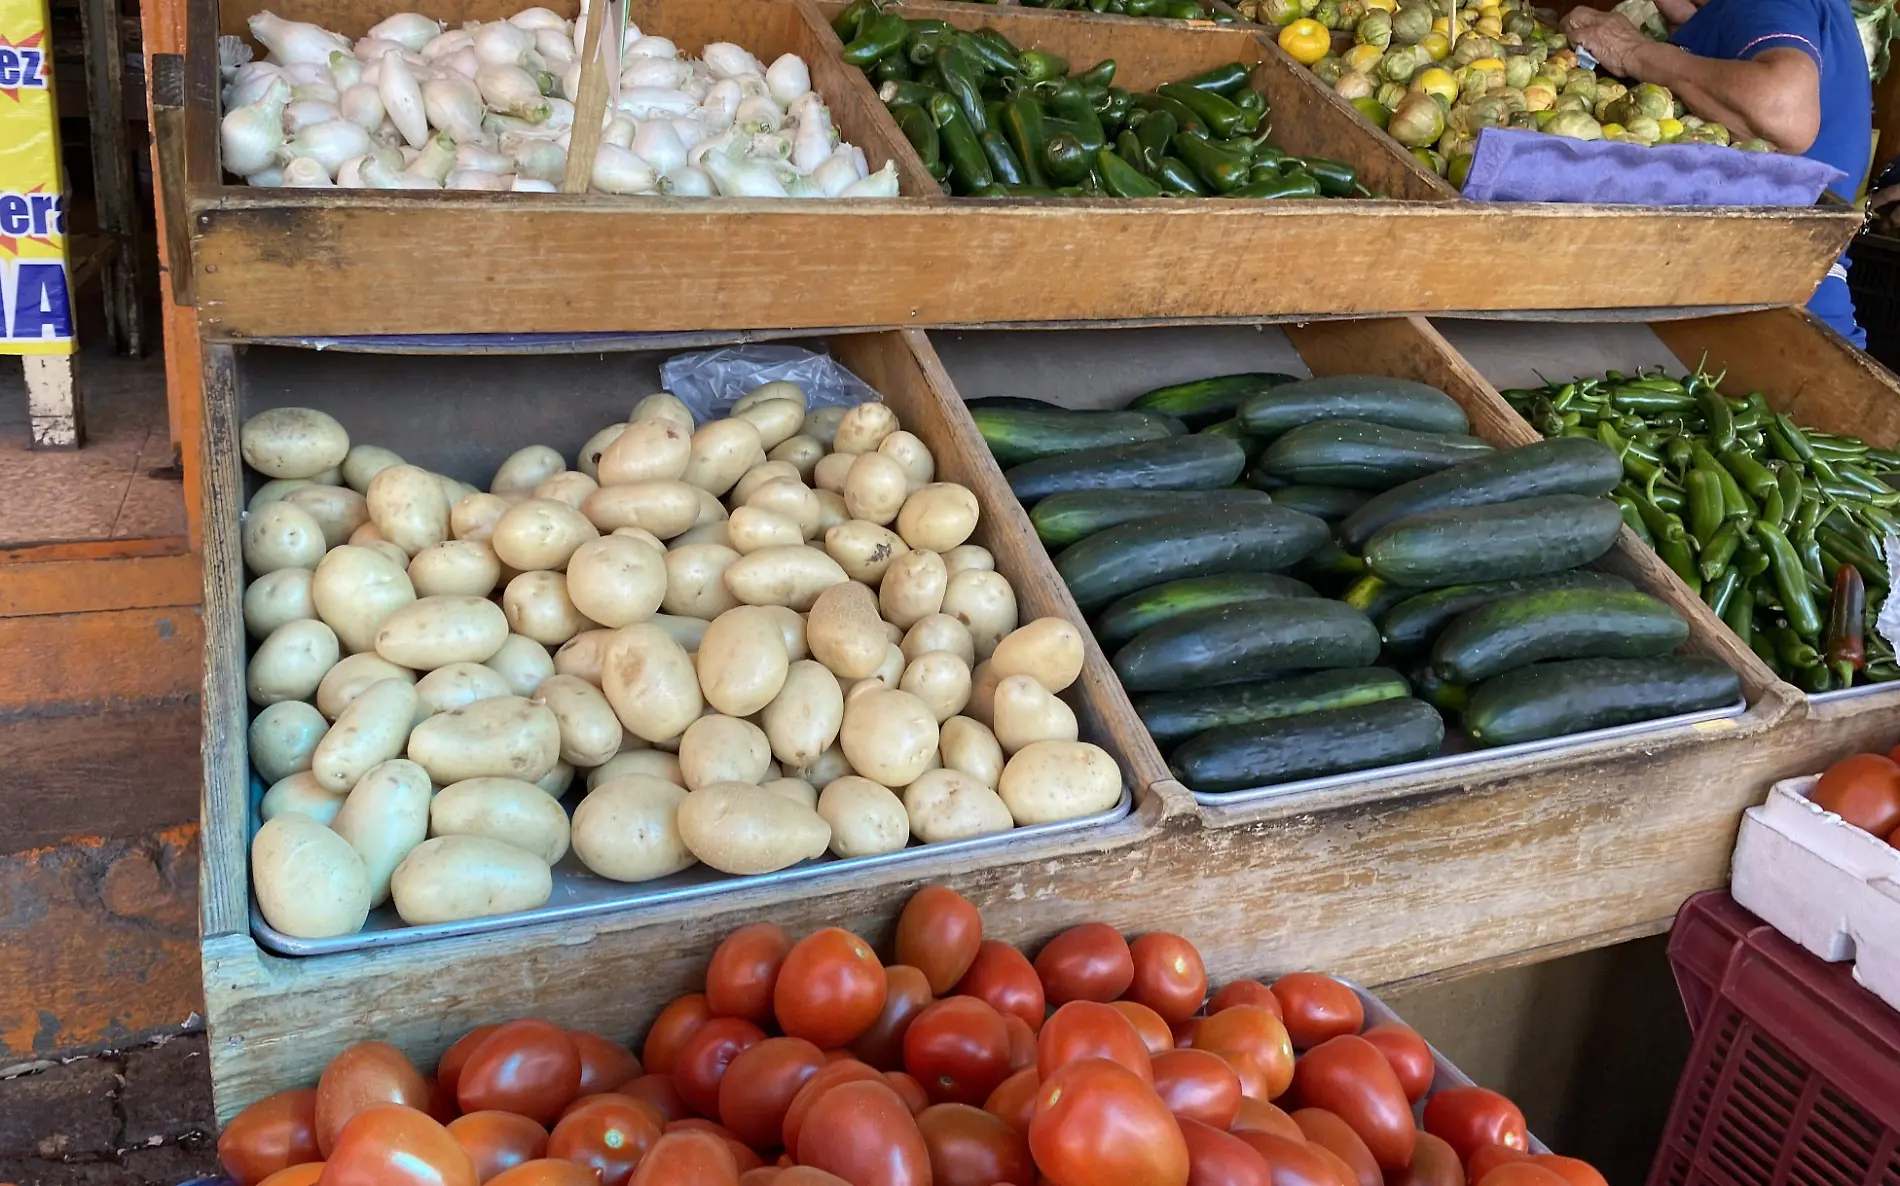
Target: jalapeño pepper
(1221, 80)
(1154, 133)
(1739, 616)
(1179, 180)
(921, 130)
(923, 42)
(1184, 119)
(996, 56)
(1023, 124)
(892, 68)
(1222, 118)
(1221, 168)
(899, 91)
(1039, 66)
(1065, 159)
(847, 23)
(877, 36)
(1720, 549)
(1677, 555)
(1129, 148)
(1004, 164)
(1101, 74)
(1633, 519)
(969, 168)
(1717, 420)
(1122, 179)
(960, 84)
(1336, 178)
(1184, 10)
(1294, 183)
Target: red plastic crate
(1794, 1078)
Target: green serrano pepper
(1706, 512)
(1717, 595)
(1753, 476)
(1791, 582)
(1718, 420)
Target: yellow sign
(33, 289)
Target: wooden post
(52, 400)
(590, 103)
(115, 193)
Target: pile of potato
(818, 662)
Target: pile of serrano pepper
(1780, 529)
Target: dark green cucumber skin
(1019, 435)
(1330, 565)
(1526, 628)
(1399, 403)
(1151, 607)
(1173, 717)
(1070, 517)
(1207, 401)
(1363, 455)
(1331, 503)
(1313, 745)
(1029, 402)
(1250, 641)
(1532, 537)
(1410, 627)
(1441, 694)
(1260, 479)
(1194, 462)
(1558, 699)
(1561, 465)
(1114, 563)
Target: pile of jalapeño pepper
(991, 120)
(1778, 528)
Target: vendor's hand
(1609, 37)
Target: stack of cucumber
(1303, 578)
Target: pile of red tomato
(811, 1063)
(1864, 790)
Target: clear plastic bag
(709, 382)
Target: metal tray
(580, 894)
(1852, 693)
(1463, 758)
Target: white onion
(296, 41)
(502, 44)
(837, 171)
(881, 184)
(448, 42)
(249, 136)
(659, 145)
(687, 181)
(486, 160)
(647, 102)
(814, 140)
(758, 114)
(475, 179)
(720, 106)
(727, 60)
(541, 160)
(533, 185)
(618, 132)
(362, 105)
(329, 143)
(513, 90)
(345, 71)
(402, 99)
(301, 113)
(306, 173)
(787, 79)
(539, 18)
(453, 105)
(618, 171)
(651, 47)
(411, 30)
(664, 74)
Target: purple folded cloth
(1517, 165)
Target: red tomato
(1022, 1042)
(1343, 1172)
(703, 1059)
(448, 1070)
(958, 1048)
(1293, 1162)
(1154, 1031)
(1199, 1086)
(548, 1173)
(1184, 1031)
(363, 1075)
(909, 1090)
(1316, 1007)
(670, 1029)
(1169, 976)
(687, 1159)
(1434, 1163)
(1097, 1123)
(441, 1107)
(1260, 1116)
(830, 990)
(661, 1092)
(1864, 790)
(530, 1067)
(1894, 839)
(1089, 962)
(759, 1084)
(1469, 1117)
(609, 1132)
(1254, 1082)
(1014, 1100)
(498, 1141)
(1254, 1032)
(1348, 1077)
(1006, 979)
(1330, 1132)
(1244, 992)
(741, 1152)
(1577, 1173)
(1409, 1055)
(765, 1175)
(804, 1175)
(743, 970)
(605, 1064)
(1085, 1029)
(939, 933)
(1521, 1173)
(308, 1173)
(393, 1145)
(847, 1070)
(1486, 1158)
(906, 992)
(971, 1147)
(864, 1134)
(274, 1133)
(1218, 1158)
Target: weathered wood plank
(68, 659)
(224, 883)
(106, 583)
(123, 770)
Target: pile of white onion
(491, 107)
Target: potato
(742, 660)
(281, 535)
(951, 805)
(792, 499)
(759, 475)
(436, 631)
(752, 528)
(384, 818)
(845, 632)
(804, 719)
(711, 510)
(504, 736)
(738, 828)
(381, 547)
(452, 878)
(777, 420)
(641, 535)
(791, 628)
(351, 677)
(457, 684)
(541, 534)
(556, 781)
(290, 663)
(723, 749)
(984, 602)
(721, 453)
(455, 568)
(831, 472)
(938, 517)
(875, 488)
(626, 829)
(570, 486)
(965, 557)
(650, 681)
(616, 581)
(685, 631)
(454, 491)
(301, 792)
(941, 680)
(538, 607)
(310, 882)
(276, 598)
(889, 736)
(696, 581)
(776, 389)
(588, 460)
(866, 819)
(524, 469)
(338, 510)
(590, 732)
(355, 590)
(408, 506)
(863, 549)
(583, 654)
(650, 762)
(1024, 712)
(1048, 781)
(504, 809)
(1049, 650)
(282, 738)
(293, 442)
(831, 511)
(648, 451)
(827, 766)
(938, 632)
(788, 576)
(912, 589)
(801, 452)
(968, 745)
(522, 664)
(862, 428)
(796, 789)
(474, 516)
(821, 424)
(983, 681)
(706, 533)
(363, 462)
(276, 490)
(910, 452)
(663, 405)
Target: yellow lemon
(1436, 81)
(1437, 45)
(1671, 128)
(1306, 40)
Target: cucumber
(1114, 563)
(1524, 628)
(1561, 465)
(1441, 694)
(1557, 699)
(1260, 479)
(1205, 401)
(1173, 717)
(1398, 403)
(1331, 503)
(1329, 563)
(1532, 537)
(1410, 626)
(1363, 455)
(1017, 435)
(1151, 607)
(1028, 402)
(1195, 462)
(1312, 745)
(1064, 519)
(1251, 640)
(1372, 596)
